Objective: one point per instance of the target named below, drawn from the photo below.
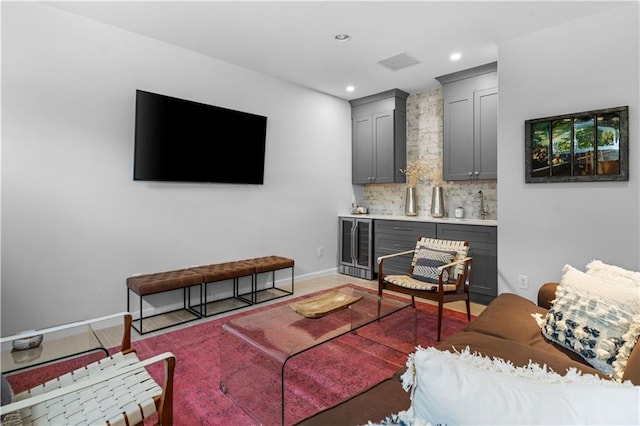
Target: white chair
(115, 390)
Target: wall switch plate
(523, 282)
(320, 251)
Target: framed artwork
(584, 146)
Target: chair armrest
(402, 253)
(547, 294)
(79, 385)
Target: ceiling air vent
(399, 61)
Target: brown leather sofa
(505, 329)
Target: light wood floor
(302, 287)
(112, 336)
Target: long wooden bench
(202, 277)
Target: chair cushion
(427, 263)
(595, 317)
(408, 282)
(130, 394)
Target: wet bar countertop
(426, 218)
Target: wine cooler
(356, 247)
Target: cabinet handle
(470, 174)
(476, 173)
(400, 228)
(354, 241)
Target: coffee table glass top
(255, 348)
(283, 332)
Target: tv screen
(177, 140)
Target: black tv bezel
(256, 177)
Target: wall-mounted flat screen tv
(177, 140)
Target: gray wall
(586, 64)
(75, 224)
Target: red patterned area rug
(316, 379)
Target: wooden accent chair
(115, 390)
(440, 271)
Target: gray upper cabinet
(470, 123)
(379, 137)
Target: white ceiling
(294, 41)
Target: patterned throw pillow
(595, 318)
(427, 263)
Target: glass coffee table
(255, 348)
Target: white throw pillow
(465, 388)
(595, 317)
(611, 272)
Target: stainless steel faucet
(483, 212)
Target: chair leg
(165, 409)
(468, 309)
(439, 319)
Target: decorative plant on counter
(413, 172)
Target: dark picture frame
(580, 147)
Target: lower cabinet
(483, 248)
(393, 236)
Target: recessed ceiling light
(342, 37)
(350, 88)
(455, 56)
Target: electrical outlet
(320, 251)
(523, 282)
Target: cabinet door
(483, 248)
(363, 244)
(458, 138)
(393, 236)
(484, 272)
(362, 152)
(470, 123)
(383, 145)
(346, 241)
(485, 107)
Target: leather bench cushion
(163, 281)
(518, 353)
(271, 263)
(373, 404)
(224, 271)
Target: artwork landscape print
(584, 146)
